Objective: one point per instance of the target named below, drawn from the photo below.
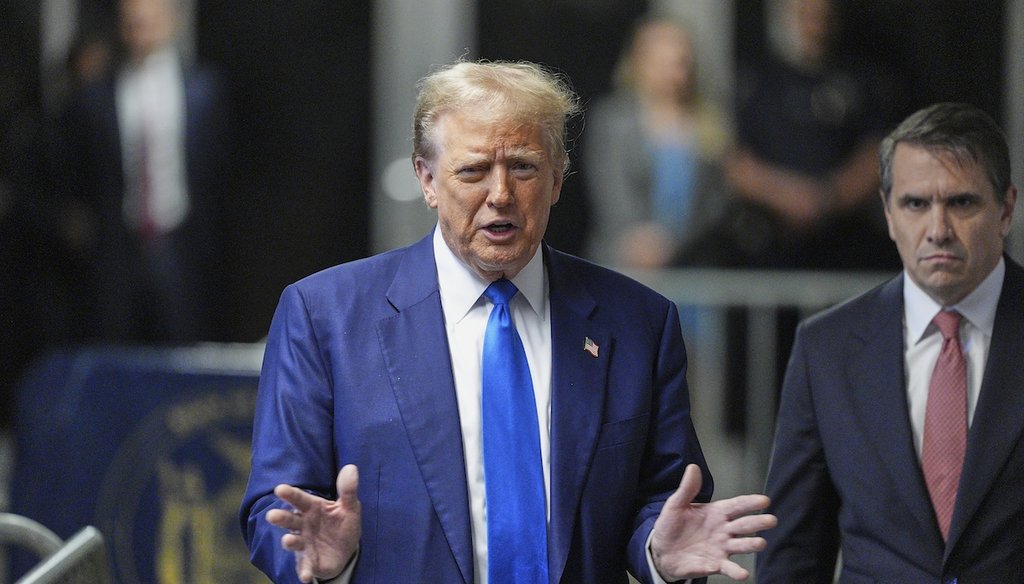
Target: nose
(940, 229)
(500, 193)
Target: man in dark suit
(899, 438)
(383, 365)
(148, 149)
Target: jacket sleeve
(672, 446)
(804, 545)
(292, 432)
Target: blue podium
(151, 446)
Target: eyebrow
(946, 197)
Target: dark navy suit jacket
(845, 474)
(357, 370)
(94, 162)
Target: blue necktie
(516, 511)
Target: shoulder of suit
(360, 272)
(602, 282)
(876, 305)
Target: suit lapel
(415, 349)
(879, 396)
(578, 381)
(998, 424)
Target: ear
(1008, 203)
(556, 187)
(888, 217)
(425, 174)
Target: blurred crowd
(791, 183)
(112, 202)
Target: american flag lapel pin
(590, 346)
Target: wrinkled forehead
(908, 156)
(481, 129)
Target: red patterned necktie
(945, 421)
(147, 228)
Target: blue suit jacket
(357, 370)
(845, 474)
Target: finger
(751, 524)
(285, 519)
(745, 545)
(689, 486)
(348, 486)
(301, 500)
(741, 505)
(304, 568)
(293, 542)
(733, 570)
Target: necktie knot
(948, 323)
(501, 291)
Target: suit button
(949, 580)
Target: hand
(322, 533)
(645, 245)
(801, 202)
(691, 540)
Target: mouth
(500, 229)
(941, 257)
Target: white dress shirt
(923, 341)
(465, 315)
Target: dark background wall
(300, 79)
(934, 50)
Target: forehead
(919, 167)
(472, 131)
(662, 35)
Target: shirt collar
(461, 288)
(979, 307)
(159, 59)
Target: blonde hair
(519, 91)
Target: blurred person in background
(651, 153)
(146, 152)
(805, 166)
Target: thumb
(348, 485)
(689, 486)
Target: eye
(471, 172)
(915, 204)
(961, 202)
(523, 168)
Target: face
(493, 184)
(663, 59)
(146, 25)
(946, 221)
(813, 22)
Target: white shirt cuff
(655, 576)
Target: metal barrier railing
(762, 294)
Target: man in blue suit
(377, 365)
(900, 435)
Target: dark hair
(959, 129)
